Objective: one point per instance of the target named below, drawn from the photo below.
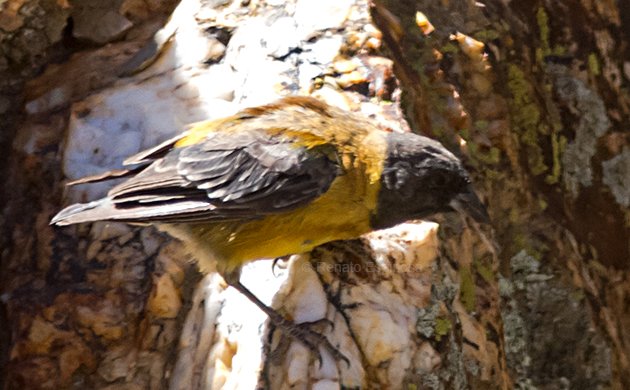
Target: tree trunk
(543, 107)
(532, 96)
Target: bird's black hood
(421, 178)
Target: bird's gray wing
(227, 176)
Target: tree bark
(543, 103)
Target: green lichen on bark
(467, 289)
(526, 118)
(544, 32)
(442, 327)
(485, 271)
(490, 157)
(558, 145)
(542, 20)
(532, 128)
(593, 64)
(486, 35)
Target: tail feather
(98, 210)
(106, 210)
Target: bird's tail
(98, 210)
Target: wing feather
(225, 176)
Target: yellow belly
(343, 212)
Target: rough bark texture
(544, 107)
(533, 95)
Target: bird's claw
(311, 339)
(301, 332)
(279, 262)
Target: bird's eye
(438, 179)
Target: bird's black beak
(468, 203)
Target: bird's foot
(301, 332)
(307, 334)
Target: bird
(280, 179)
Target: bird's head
(421, 178)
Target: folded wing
(226, 176)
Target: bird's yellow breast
(342, 212)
